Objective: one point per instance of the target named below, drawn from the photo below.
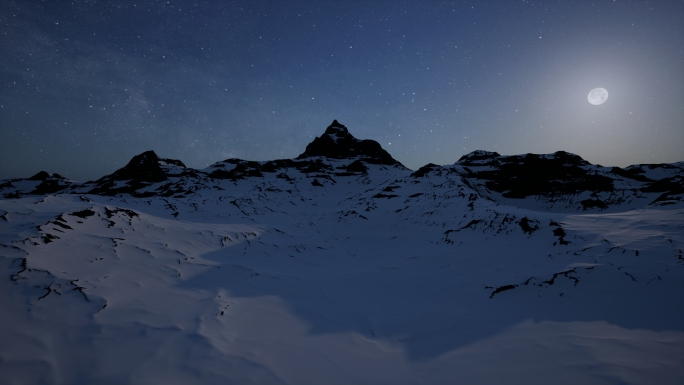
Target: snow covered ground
(305, 277)
(318, 290)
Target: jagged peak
(338, 143)
(144, 167)
(336, 129)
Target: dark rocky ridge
(50, 183)
(144, 168)
(335, 143)
(44, 175)
(43, 183)
(338, 143)
(141, 171)
(550, 178)
(520, 176)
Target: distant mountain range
(554, 181)
(342, 266)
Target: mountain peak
(141, 171)
(338, 143)
(142, 167)
(336, 129)
(44, 175)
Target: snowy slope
(344, 267)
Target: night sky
(87, 84)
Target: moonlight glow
(598, 96)
(86, 85)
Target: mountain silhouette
(558, 179)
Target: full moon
(598, 96)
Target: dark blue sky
(85, 85)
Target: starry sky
(87, 84)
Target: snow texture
(345, 269)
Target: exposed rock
(423, 171)
(528, 226)
(141, 171)
(477, 157)
(142, 168)
(83, 213)
(338, 143)
(520, 176)
(357, 166)
(553, 181)
(41, 175)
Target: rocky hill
(559, 181)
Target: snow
(367, 279)
(658, 171)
